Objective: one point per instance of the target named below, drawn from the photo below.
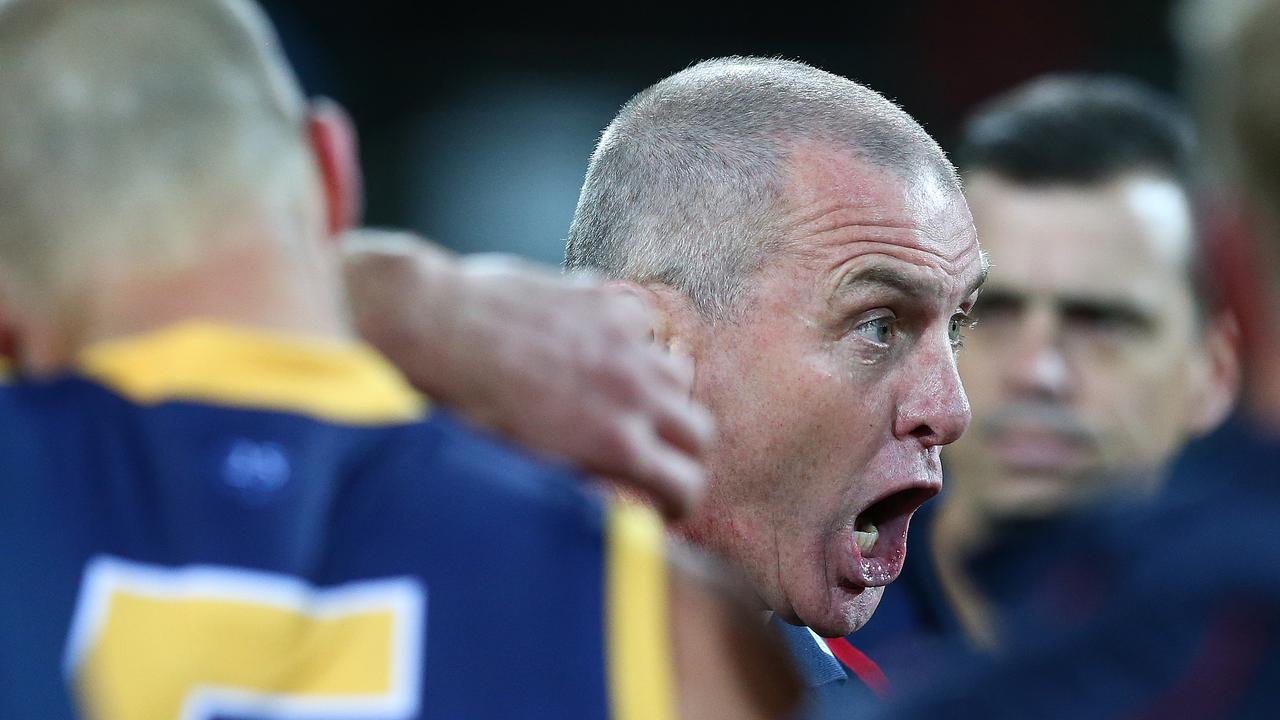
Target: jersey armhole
(640, 663)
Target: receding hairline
(689, 184)
(737, 74)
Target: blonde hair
(128, 125)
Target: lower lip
(884, 567)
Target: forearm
(403, 291)
(560, 365)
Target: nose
(1036, 367)
(934, 408)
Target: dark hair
(1083, 130)
(1078, 130)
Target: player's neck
(246, 284)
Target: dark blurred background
(476, 129)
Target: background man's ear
(334, 145)
(9, 335)
(1218, 381)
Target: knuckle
(619, 443)
(629, 383)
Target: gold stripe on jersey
(339, 381)
(641, 675)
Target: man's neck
(957, 536)
(246, 284)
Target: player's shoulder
(28, 408)
(466, 465)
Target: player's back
(209, 522)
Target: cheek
(1140, 400)
(793, 427)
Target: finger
(582, 277)
(674, 369)
(684, 424)
(631, 313)
(672, 478)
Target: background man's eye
(1114, 318)
(997, 307)
(879, 330)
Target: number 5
(155, 643)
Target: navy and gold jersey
(209, 522)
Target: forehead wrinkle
(841, 223)
(917, 277)
(845, 225)
(828, 214)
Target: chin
(845, 613)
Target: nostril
(922, 431)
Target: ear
(1217, 373)
(673, 319)
(1234, 259)
(333, 143)
(9, 335)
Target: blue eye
(879, 330)
(955, 331)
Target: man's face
(835, 387)
(1081, 367)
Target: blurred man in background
(216, 501)
(1098, 352)
(806, 244)
(1191, 628)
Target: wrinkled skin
(835, 385)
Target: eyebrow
(886, 277)
(1120, 308)
(984, 268)
(913, 287)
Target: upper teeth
(866, 537)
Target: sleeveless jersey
(212, 522)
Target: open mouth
(878, 540)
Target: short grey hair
(686, 184)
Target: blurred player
(1190, 627)
(1097, 353)
(216, 502)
